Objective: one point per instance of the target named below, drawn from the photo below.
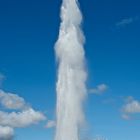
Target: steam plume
(71, 89)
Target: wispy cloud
(99, 137)
(130, 108)
(50, 124)
(126, 21)
(100, 89)
(2, 77)
(110, 101)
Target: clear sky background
(28, 31)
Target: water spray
(71, 88)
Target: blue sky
(28, 31)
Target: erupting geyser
(71, 89)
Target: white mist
(71, 89)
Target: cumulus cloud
(12, 101)
(6, 133)
(50, 124)
(100, 89)
(21, 119)
(131, 107)
(17, 114)
(126, 21)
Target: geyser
(71, 89)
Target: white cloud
(18, 115)
(126, 21)
(12, 101)
(100, 89)
(50, 124)
(131, 107)
(6, 133)
(21, 119)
